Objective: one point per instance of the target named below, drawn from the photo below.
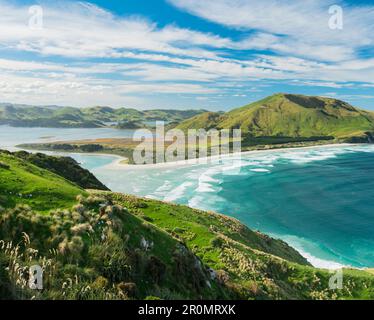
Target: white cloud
(82, 30)
(321, 84)
(84, 91)
(173, 60)
(303, 25)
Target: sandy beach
(118, 165)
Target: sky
(183, 54)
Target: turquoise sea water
(10, 136)
(320, 200)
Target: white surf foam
(260, 170)
(195, 202)
(301, 244)
(320, 263)
(178, 192)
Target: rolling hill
(288, 117)
(68, 117)
(103, 245)
(21, 182)
(65, 167)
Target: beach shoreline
(314, 260)
(118, 165)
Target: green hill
(21, 182)
(287, 117)
(68, 117)
(65, 167)
(50, 117)
(104, 245)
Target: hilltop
(69, 117)
(278, 121)
(289, 118)
(21, 182)
(65, 167)
(105, 245)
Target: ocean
(319, 200)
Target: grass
(120, 147)
(112, 246)
(281, 120)
(24, 183)
(105, 245)
(125, 147)
(68, 117)
(290, 116)
(256, 265)
(196, 228)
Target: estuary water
(319, 200)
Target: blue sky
(184, 53)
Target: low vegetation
(121, 147)
(21, 182)
(65, 167)
(105, 245)
(286, 118)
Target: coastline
(117, 165)
(68, 154)
(314, 260)
(299, 244)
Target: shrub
(141, 205)
(91, 147)
(156, 269)
(111, 259)
(4, 166)
(79, 208)
(128, 288)
(81, 228)
(222, 276)
(146, 218)
(179, 230)
(100, 283)
(75, 247)
(216, 242)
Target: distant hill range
(69, 117)
(280, 118)
(283, 118)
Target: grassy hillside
(65, 167)
(68, 117)
(285, 117)
(50, 117)
(24, 183)
(113, 246)
(106, 114)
